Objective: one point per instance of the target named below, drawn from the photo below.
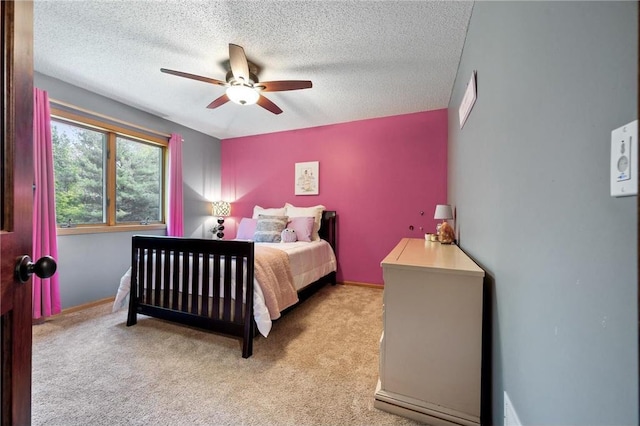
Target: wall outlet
(510, 416)
(624, 160)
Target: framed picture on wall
(307, 178)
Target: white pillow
(257, 211)
(315, 212)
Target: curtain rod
(106, 117)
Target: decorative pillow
(303, 227)
(246, 228)
(257, 211)
(315, 212)
(269, 228)
(288, 235)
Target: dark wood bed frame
(152, 280)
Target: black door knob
(45, 267)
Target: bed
(173, 279)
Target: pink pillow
(246, 229)
(315, 212)
(303, 227)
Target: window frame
(113, 131)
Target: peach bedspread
(273, 272)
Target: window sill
(105, 229)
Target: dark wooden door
(16, 199)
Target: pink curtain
(175, 221)
(46, 292)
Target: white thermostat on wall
(624, 160)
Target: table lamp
(444, 212)
(220, 210)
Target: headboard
(328, 227)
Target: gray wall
(90, 265)
(529, 179)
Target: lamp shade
(242, 94)
(443, 211)
(221, 208)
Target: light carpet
(319, 366)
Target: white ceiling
(366, 59)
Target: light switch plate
(624, 160)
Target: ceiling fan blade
(268, 105)
(220, 101)
(194, 77)
(281, 86)
(238, 62)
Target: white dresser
(431, 344)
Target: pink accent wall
(378, 174)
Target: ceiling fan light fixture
(241, 81)
(242, 94)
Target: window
(79, 159)
(107, 178)
(138, 181)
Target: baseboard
(87, 305)
(421, 411)
(358, 284)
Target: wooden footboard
(204, 283)
(169, 274)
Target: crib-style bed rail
(204, 283)
(189, 281)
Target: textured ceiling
(366, 59)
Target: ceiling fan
(243, 86)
